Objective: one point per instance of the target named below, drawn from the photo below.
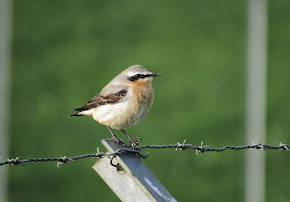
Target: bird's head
(138, 73)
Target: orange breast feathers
(143, 92)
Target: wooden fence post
(136, 182)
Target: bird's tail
(76, 114)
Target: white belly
(120, 115)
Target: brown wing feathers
(99, 100)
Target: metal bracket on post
(136, 182)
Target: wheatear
(123, 102)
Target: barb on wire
(63, 160)
(178, 146)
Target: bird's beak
(156, 74)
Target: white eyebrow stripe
(131, 74)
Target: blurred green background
(64, 52)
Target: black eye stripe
(138, 76)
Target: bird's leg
(117, 140)
(132, 141)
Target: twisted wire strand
(178, 146)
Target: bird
(124, 102)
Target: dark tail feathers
(76, 114)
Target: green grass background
(64, 52)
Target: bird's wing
(109, 95)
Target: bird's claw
(118, 141)
(134, 142)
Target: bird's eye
(136, 77)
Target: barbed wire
(178, 146)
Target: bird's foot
(119, 141)
(134, 141)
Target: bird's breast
(129, 111)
